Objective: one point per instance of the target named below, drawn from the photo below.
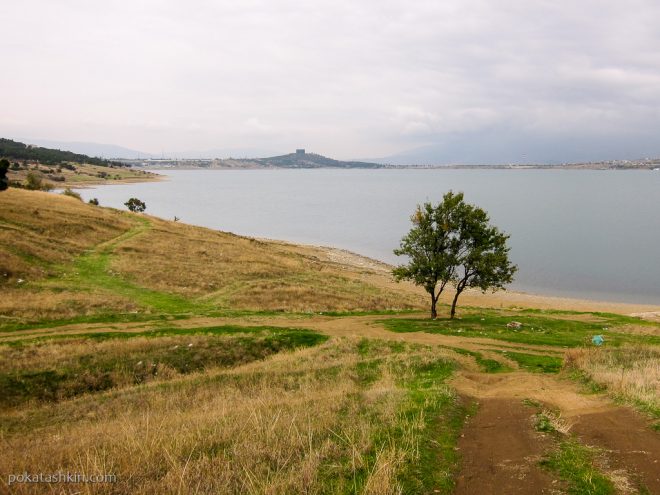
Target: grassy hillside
(73, 259)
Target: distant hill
(310, 160)
(101, 150)
(13, 150)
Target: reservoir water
(582, 233)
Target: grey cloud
(345, 78)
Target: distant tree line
(20, 151)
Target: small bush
(94, 201)
(4, 182)
(70, 192)
(135, 205)
(35, 182)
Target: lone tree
(4, 181)
(135, 205)
(483, 257)
(453, 242)
(432, 247)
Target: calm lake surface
(590, 234)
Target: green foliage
(4, 182)
(94, 201)
(432, 246)
(35, 182)
(483, 255)
(544, 424)
(135, 205)
(70, 192)
(453, 242)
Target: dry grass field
(338, 418)
(630, 373)
(185, 360)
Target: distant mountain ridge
(299, 159)
(504, 146)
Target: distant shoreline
(506, 298)
(163, 167)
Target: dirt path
(630, 449)
(354, 326)
(628, 444)
(500, 452)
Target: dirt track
(628, 444)
(500, 452)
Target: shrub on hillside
(4, 182)
(35, 182)
(70, 192)
(135, 205)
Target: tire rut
(500, 452)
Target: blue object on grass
(597, 340)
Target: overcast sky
(348, 79)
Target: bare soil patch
(500, 452)
(628, 443)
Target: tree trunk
(434, 312)
(453, 303)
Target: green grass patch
(426, 426)
(575, 464)
(535, 362)
(486, 365)
(93, 269)
(301, 335)
(96, 370)
(116, 317)
(531, 403)
(444, 415)
(589, 386)
(113, 317)
(537, 328)
(544, 424)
